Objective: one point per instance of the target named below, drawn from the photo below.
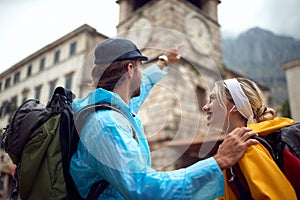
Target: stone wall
(292, 72)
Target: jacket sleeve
(265, 179)
(151, 76)
(116, 156)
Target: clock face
(140, 31)
(199, 34)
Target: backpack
(284, 147)
(41, 140)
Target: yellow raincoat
(264, 178)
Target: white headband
(240, 99)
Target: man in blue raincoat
(113, 145)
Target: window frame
(56, 56)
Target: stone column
(211, 8)
(126, 8)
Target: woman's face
(216, 113)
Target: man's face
(137, 79)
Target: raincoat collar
(101, 95)
(269, 126)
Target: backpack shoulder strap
(238, 184)
(84, 113)
(266, 144)
(99, 186)
(96, 189)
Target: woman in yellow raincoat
(237, 103)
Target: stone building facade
(57, 64)
(292, 72)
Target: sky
(29, 25)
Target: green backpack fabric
(41, 166)
(41, 140)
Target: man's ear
(130, 69)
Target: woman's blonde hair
(254, 94)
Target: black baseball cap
(115, 49)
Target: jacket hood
(269, 126)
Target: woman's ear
(233, 109)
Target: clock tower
(172, 115)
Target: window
(7, 83)
(72, 48)
(69, 81)
(56, 56)
(17, 77)
(5, 108)
(13, 105)
(0, 86)
(201, 96)
(42, 64)
(52, 85)
(25, 93)
(1, 111)
(38, 92)
(24, 98)
(29, 69)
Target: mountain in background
(258, 55)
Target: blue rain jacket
(107, 150)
